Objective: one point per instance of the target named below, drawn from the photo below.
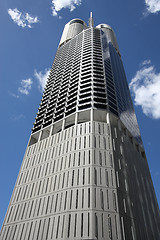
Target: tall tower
(84, 174)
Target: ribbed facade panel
(66, 177)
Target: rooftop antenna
(91, 22)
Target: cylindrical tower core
(71, 29)
(111, 37)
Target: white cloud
(153, 6)
(57, 5)
(25, 86)
(22, 19)
(145, 62)
(42, 78)
(157, 174)
(17, 117)
(13, 94)
(145, 86)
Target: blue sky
(30, 33)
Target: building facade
(84, 174)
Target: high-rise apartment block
(84, 173)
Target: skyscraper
(84, 174)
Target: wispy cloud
(155, 173)
(145, 87)
(145, 62)
(24, 89)
(42, 78)
(26, 86)
(13, 94)
(17, 117)
(152, 6)
(22, 19)
(57, 5)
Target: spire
(91, 23)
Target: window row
(78, 176)
(72, 225)
(76, 159)
(80, 129)
(70, 200)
